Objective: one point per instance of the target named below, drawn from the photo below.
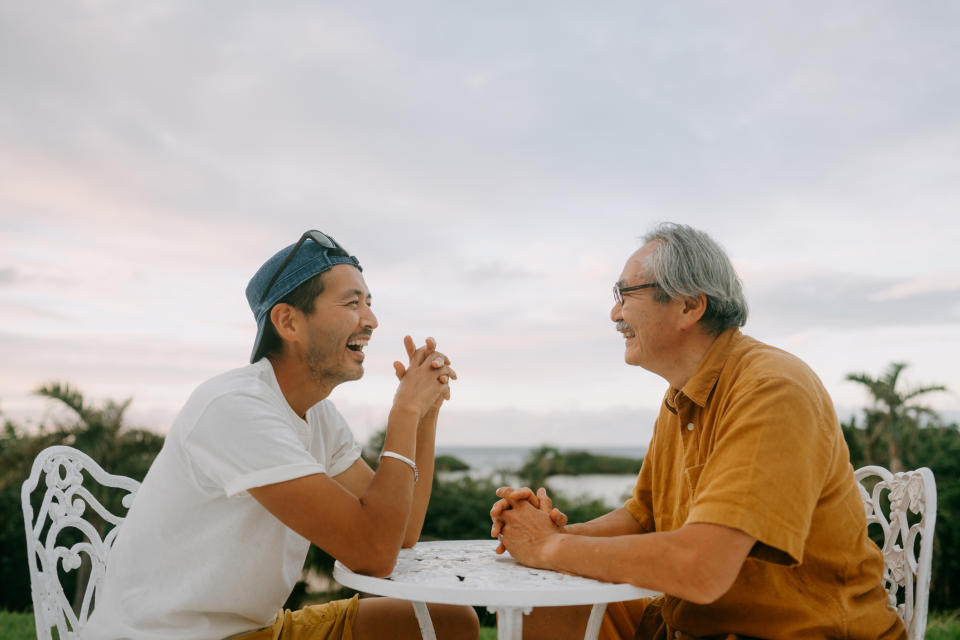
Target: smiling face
(339, 327)
(649, 327)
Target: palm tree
(894, 417)
(100, 432)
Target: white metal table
(469, 572)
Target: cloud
(23, 313)
(492, 172)
(497, 273)
(159, 372)
(844, 301)
(916, 287)
(8, 275)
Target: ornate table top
(469, 572)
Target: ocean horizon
(502, 463)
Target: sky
(492, 166)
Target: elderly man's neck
(689, 355)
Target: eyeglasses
(321, 239)
(618, 291)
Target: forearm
(616, 523)
(697, 563)
(359, 517)
(426, 449)
(390, 496)
(386, 509)
(401, 433)
(649, 561)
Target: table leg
(510, 621)
(426, 624)
(593, 623)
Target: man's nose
(616, 313)
(369, 318)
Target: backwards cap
(268, 287)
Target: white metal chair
(63, 518)
(904, 570)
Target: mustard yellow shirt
(752, 442)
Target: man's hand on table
(524, 521)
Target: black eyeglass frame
(618, 291)
(319, 237)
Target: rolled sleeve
(339, 445)
(274, 475)
(242, 442)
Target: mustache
(622, 326)
(361, 333)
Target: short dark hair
(302, 298)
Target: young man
(746, 513)
(259, 464)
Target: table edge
(419, 592)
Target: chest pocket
(692, 476)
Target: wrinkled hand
(425, 381)
(526, 532)
(511, 498)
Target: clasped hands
(427, 376)
(525, 522)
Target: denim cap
(310, 259)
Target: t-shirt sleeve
(340, 447)
(241, 442)
(767, 469)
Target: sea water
(501, 464)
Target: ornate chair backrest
(906, 573)
(63, 518)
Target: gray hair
(685, 263)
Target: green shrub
(446, 462)
(548, 461)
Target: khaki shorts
(330, 621)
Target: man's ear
(286, 321)
(693, 310)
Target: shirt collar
(704, 379)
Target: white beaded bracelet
(413, 465)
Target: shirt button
(689, 428)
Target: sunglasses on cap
(322, 239)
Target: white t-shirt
(197, 557)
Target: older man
(259, 464)
(745, 513)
